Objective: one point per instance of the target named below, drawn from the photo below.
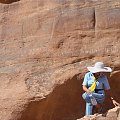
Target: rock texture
(113, 114)
(45, 46)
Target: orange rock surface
(45, 47)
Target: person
(94, 84)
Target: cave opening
(8, 1)
(64, 103)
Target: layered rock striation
(45, 47)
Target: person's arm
(85, 83)
(109, 94)
(86, 89)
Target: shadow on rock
(64, 103)
(8, 1)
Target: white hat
(99, 67)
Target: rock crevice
(8, 1)
(44, 43)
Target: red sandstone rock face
(45, 47)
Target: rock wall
(45, 47)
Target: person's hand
(88, 92)
(86, 89)
(115, 103)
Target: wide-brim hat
(99, 67)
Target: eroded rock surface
(112, 114)
(45, 47)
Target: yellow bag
(93, 86)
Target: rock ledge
(112, 114)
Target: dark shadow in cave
(64, 103)
(115, 85)
(8, 1)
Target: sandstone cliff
(45, 46)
